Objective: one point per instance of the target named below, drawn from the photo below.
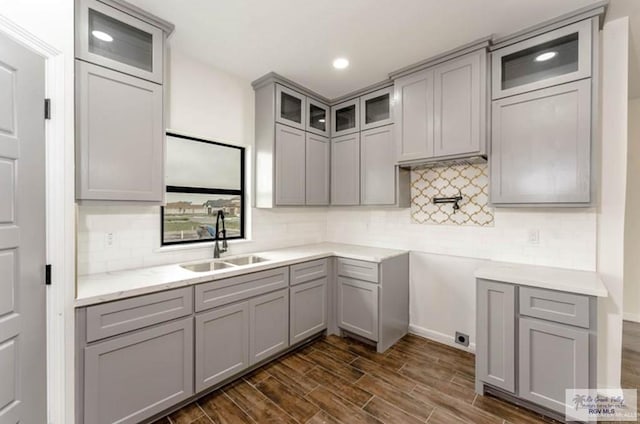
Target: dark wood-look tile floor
(337, 380)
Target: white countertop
(105, 287)
(567, 280)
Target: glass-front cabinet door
(318, 121)
(375, 109)
(290, 107)
(345, 118)
(553, 58)
(116, 40)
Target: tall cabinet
(119, 102)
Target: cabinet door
(120, 136)
(378, 169)
(268, 325)
(358, 307)
(291, 107)
(114, 39)
(495, 344)
(375, 109)
(318, 121)
(552, 358)
(222, 344)
(557, 57)
(345, 170)
(308, 310)
(345, 118)
(413, 116)
(130, 378)
(318, 165)
(541, 146)
(290, 166)
(460, 102)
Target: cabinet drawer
(360, 270)
(565, 308)
(222, 292)
(308, 271)
(110, 319)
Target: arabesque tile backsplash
(471, 181)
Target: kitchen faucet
(216, 249)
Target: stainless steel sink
(245, 260)
(207, 266)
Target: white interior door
(22, 236)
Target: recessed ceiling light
(340, 63)
(102, 36)
(542, 57)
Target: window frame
(199, 190)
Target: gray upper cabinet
(345, 118)
(414, 116)
(553, 358)
(377, 163)
(222, 344)
(496, 337)
(318, 121)
(268, 325)
(318, 169)
(122, 384)
(375, 109)
(290, 163)
(291, 107)
(119, 136)
(114, 39)
(345, 170)
(541, 146)
(553, 58)
(460, 96)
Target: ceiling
(299, 39)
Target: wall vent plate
(462, 339)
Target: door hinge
(47, 274)
(47, 108)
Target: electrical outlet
(534, 237)
(462, 339)
(109, 240)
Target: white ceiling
(300, 38)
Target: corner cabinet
(119, 102)
(533, 344)
(290, 165)
(345, 170)
(318, 170)
(440, 111)
(543, 118)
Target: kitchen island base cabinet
(269, 325)
(222, 344)
(308, 309)
(122, 384)
(358, 307)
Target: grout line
(239, 407)
(429, 417)
(474, 400)
(204, 413)
(367, 402)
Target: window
(202, 177)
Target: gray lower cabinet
(541, 146)
(268, 325)
(345, 170)
(119, 136)
(553, 358)
(308, 309)
(377, 166)
(130, 378)
(358, 307)
(318, 169)
(222, 344)
(495, 347)
(290, 162)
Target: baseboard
(449, 340)
(631, 317)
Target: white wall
(632, 218)
(207, 103)
(613, 178)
